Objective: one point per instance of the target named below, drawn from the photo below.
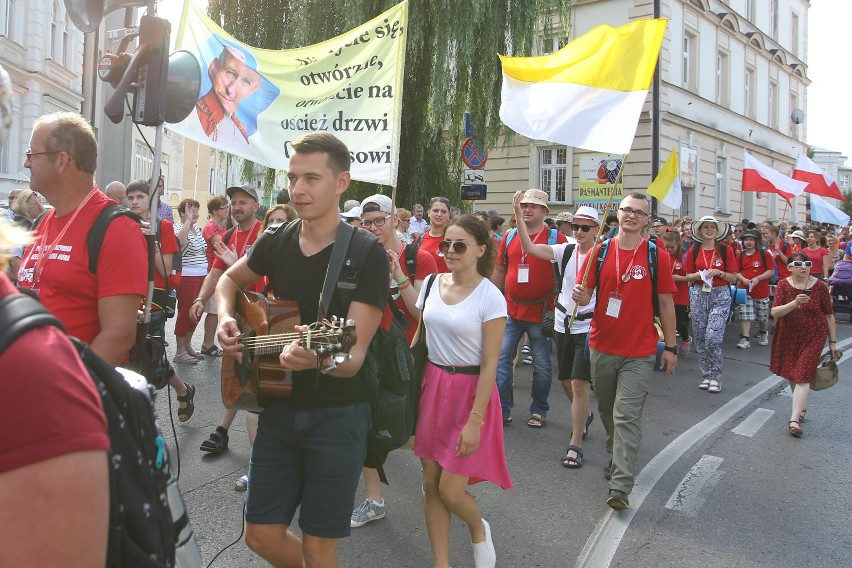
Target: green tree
(451, 67)
(846, 206)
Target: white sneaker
(366, 512)
(525, 350)
(744, 343)
(527, 360)
(763, 338)
(484, 555)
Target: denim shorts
(571, 356)
(310, 458)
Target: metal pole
(151, 234)
(655, 120)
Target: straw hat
(722, 228)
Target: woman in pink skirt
(459, 429)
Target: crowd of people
(482, 292)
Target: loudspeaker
(183, 84)
(87, 14)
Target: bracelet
(402, 282)
(404, 286)
(478, 414)
(198, 299)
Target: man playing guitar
(310, 446)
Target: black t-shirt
(300, 278)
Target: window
(143, 161)
(11, 20)
(553, 173)
(844, 181)
(773, 18)
(748, 109)
(773, 105)
(794, 30)
(750, 10)
(721, 183)
(722, 79)
(551, 42)
(690, 62)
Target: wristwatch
(671, 349)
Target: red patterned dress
(800, 336)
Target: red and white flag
(757, 176)
(819, 182)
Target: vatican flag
(589, 93)
(666, 187)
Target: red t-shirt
(66, 287)
(632, 333)
(51, 406)
(681, 297)
(243, 240)
(210, 230)
(816, 257)
(168, 245)
(783, 271)
(430, 245)
(425, 267)
(540, 276)
(752, 267)
(711, 259)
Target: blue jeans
(542, 367)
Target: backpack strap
(509, 236)
(560, 274)
(228, 234)
(20, 313)
(97, 234)
(344, 234)
(652, 267)
(602, 251)
(411, 260)
(552, 236)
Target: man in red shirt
(780, 250)
(213, 231)
(528, 283)
(756, 268)
(98, 308)
(623, 339)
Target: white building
(731, 75)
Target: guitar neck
(274, 344)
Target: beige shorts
(210, 306)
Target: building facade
(732, 73)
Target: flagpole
(597, 238)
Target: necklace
(626, 276)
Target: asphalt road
(723, 483)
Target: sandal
(186, 358)
(213, 350)
(185, 413)
(193, 353)
(704, 385)
(573, 462)
(714, 386)
(536, 421)
(795, 429)
(217, 442)
(802, 416)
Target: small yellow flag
(666, 187)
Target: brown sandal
(795, 429)
(802, 416)
(185, 413)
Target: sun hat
(564, 217)
(799, 235)
(722, 228)
(535, 197)
(587, 213)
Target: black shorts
(571, 356)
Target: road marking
(603, 543)
(752, 424)
(696, 486)
(786, 391)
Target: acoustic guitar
(266, 326)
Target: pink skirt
(446, 400)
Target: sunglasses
(459, 247)
(801, 263)
(584, 228)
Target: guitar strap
(338, 254)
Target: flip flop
(573, 462)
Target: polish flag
(757, 176)
(819, 182)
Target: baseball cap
(377, 202)
(354, 213)
(252, 192)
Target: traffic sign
(473, 177)
(474, 155)
(474, 192)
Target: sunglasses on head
(584, 228)
(459, 247)
(801, 263)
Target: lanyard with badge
(613, 306)
(523, 267)
(707, 288)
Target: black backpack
(141, 530)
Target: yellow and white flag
(666, 187)
(589, 93)
(254, 102)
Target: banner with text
(254, 102)
(598, 173)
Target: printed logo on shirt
(756, 264)
(60, 252)
(638, 272)
(678, 265)
(717, 262)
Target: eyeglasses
(658, 226)
(29, 154)
(459, 247)
(584, 228)
(801, 264)
(443, 200)
(380, 222)
(628, 211)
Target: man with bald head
(116, 191)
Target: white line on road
(696, 486)
(752, 424)
(786, 391)
(603, 543)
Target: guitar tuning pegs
(350, 323)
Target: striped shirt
(194, 253)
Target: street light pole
(655, 120)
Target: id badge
(706, 288)
(613, 306)
(523, 274)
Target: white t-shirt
(573, 273)
(416, 226)
(454, 332)
(193, 256)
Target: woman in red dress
(804, 319)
